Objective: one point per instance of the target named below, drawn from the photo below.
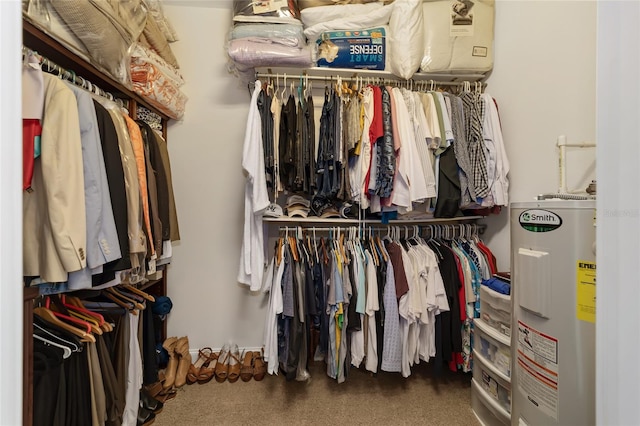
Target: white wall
(618, 228)
(543, 79)
(10, 216)
(544, 82)
(209, 305)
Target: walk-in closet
(318, 211)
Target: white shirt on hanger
(273, 281)
(256, 199)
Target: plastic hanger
(46, 334)
(66, 351)
(284, 88)
(315, 245)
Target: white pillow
(458, 35)
(376, 18)
(406, 38)
(316, 15)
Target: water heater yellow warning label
(586, 291)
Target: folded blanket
(250, 53)
(291, 32)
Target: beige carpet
(362, 400)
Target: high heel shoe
(222, 366)
(172, 365)
(208, 370)
(259, 367)
(246, 371)
(234, 364)
(184, 361)
(193, 375)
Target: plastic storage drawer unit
(494, 384)
(495, 310)
(492, 346)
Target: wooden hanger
(139, 292)
(382, 248)
(279, 251)
(116, 293)
(74, 303)
(49, 316)
(128, 306)
(325, 256)
(93, 323)
(294, 249)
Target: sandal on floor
(208, 370)
(193, 374)
(222, 366)
(246, 371)
(259, 366)
(234, 365)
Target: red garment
(31, 128)
(375, 130)
(456, 357)
(461, 291)
(491, 259)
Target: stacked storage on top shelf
(491, 384)
(399, 37)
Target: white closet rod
(479, 228)
(366, 79)
(53, 68)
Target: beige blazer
(54, 223)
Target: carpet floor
(364, 399)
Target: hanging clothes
(256, 200)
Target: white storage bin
(492, 346)
(493, 384)
(495, 310)
(488, 411)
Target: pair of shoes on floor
(228, 364)
(148, 402)
(179, 362)
(253, 366)
(148, 408)
(203, 370)
(156, 391)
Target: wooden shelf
(38, 40)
